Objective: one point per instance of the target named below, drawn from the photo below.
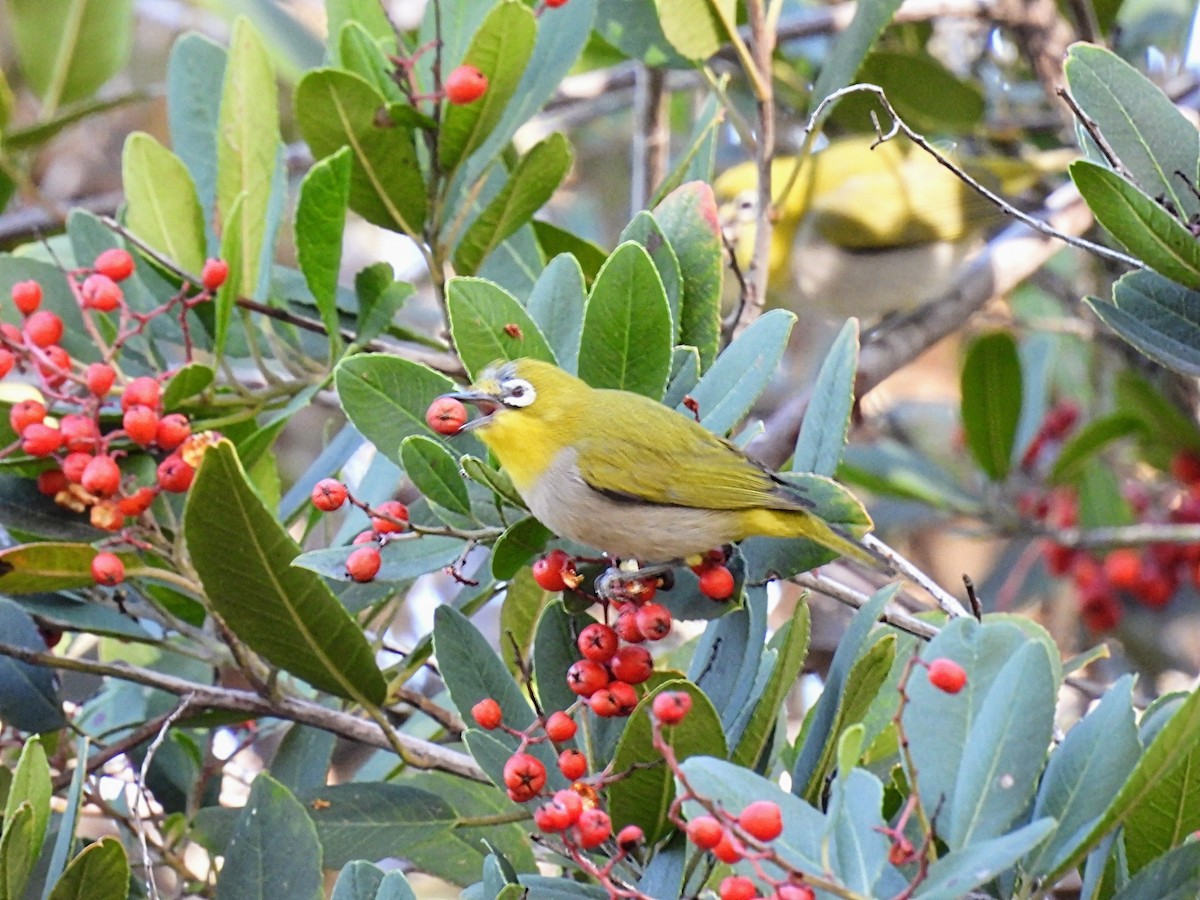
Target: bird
(622, 473)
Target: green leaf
(31, 784)
(1090, 440)
(556, 241)
(380, 297)
(843, 58)
(162, 207)
(1167, 814)
(320, 222)
(827, 419)
(358, 880)
(696, 28)
(626, 340)
(99, 872)
(644, 230)
(958, 873)
(991, 401)
(685, 375)
(70, 815)
(636, 30)
(59, 47)
(535, 179)
(336, 109)
(1151, 138)
(500, 49)
(791, 644)
(1162, 419)
(366, 14)
(473, 671)
(646, 795)
(363, 53)
(227, 296)
(494, 480)
(856, 825)
(303, 758)
(274, 849)
(195, 72)
(402, 559)
(688, 216)
(434, 472)
(1172, 876)
(240, 550)
(247, 148)
(554, 651)
(1157, 317)
(524, 601)
(18, 853)
(56, 566)
(514, 549)
(556, 305)
(910, 78)
(742, 372)
(488, 324)
(1142, 225)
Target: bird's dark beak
(484, 401)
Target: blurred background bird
(863, 230)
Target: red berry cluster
(66, 426)
(729, 838)
(387, 519)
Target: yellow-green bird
(619, 472)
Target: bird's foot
(620, 584)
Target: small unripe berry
(141, 424)
(388, 510)
(446, 415)
(465, 84)
(716, 582)
(214, 273)
(174, 474)
(549, 571)
(116, 263)
(670, 707)
(101, 477)
(572, 763)
(172, 431)
(487, 713)
(101, 293)
(560, 727)
(40, 440)
(524, 776)
(737, 887)
(585, 677)
(142, 391)
(363, 564)
(762, 819)
(598, 642)
(947, 675)
(51, 481)
(593, 828)
(632, 664)
(43, 328)
(27, 296)
(107, 569)
(630, 838)
(654, 621)
(25, 413)
(705, 832)
(329, 494)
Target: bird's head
(518, 392)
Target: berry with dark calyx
(737, 887)
(729, 849)
(446, 415)
(486, 713)
(625, 695)
(670, 707)
(386, 512)
(107, 569)
(141, 391)
(116, 263)
(137, 502)
(626, 625)
(27, 296)
(570, 802)
(101, 477)
(632, 664)
(79, 432)
(175, 475)
(465, 84)
(524, 776)
(560, 727)
(716, 582)
(329, 494)
(585, 677)
(25, 413)
(141, 424)
(705, 832)
(572, 763)
(40, 440)
(7, 361)
(51, 481)
(947, 675)
(551, 570)
(101, 293)
(762, 819)
(172, 431)
(550, 818)
(363, 564)
(604, 703)
(598, 642)
(630, 838)
(593, 828)
(654, 621)
(56, 366)
(214, 273)
(43, 328)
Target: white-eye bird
(622, 473)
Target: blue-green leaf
(320, 221)
(488, 324)
(274, 849)
(556, 304)
(1156, 316)
(827, 419)
(991, 401)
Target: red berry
(555, 4)
(174, 474)
(486, 713)
(56, 365)
(365, 537)
(43, 328)
(50, 636)
(737, 887)
(593, 828)
(524, 776)
(7, 361)
(598, 642)
(1155, 586)
(1185, 466)
(214, 273)
(550, 818)
(632, 664)
(570, 802)
(80, 433)
(1060, 419)
(101, 476)
(465, 84)
(551, 570)
(1100, 611)
(572, 763)
(51, 481)
(27, 296)
(586, 677)
(947, 675)
(137, 502)
(625, 696)
(446, 415)
(116, 263)
(1123, 568)
(107, 569)
(794, 892)
(386, 512)
(1059, 558)
(762, 819)
(630, 838)
(654, 621)
(705, 832)
(172, 431)
(141, 424)
(560, 727)
(604, 703)
(329, 494)
(40, 440)
(73, 466)
(716, 582)
(363, 564)
(729, 849)
(142, 391)
(670, 707)
(101, 293)
(25, 413)
(626, 626)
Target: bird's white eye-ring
(518, 393)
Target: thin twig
(835, 590)
(947, 601)
(139, 822)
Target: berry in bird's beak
(485, 402)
